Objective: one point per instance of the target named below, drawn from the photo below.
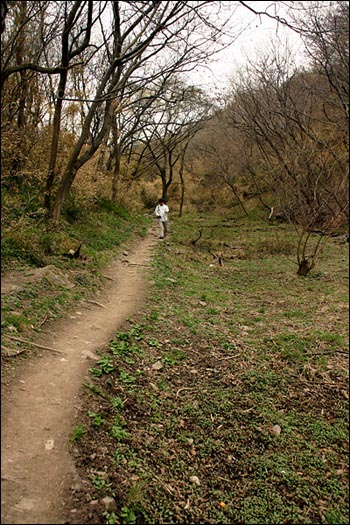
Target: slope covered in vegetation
(46, 269)
(227, 400)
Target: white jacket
(162, 210)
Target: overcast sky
(252, 42)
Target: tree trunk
(23, 85)
(56, 128)
(78, 159)
(182, 197)
(115, 154)
(164, 184)
(232, 186)
(181, 173)
(304, 267)
(66, 54)
(62, 193)
(116, 173)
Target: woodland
(225, 399)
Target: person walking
(161, 212)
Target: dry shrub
(273, 246)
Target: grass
(221, 356)
(78, 433)
(180, 411)
(29, 245)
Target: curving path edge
(39, 412)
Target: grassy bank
(39, 280)
(227, 402)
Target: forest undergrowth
(226, 401)
(40, 279)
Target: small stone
(102, 474)
(109, 504)
(276, 430)
(87, 354)
(49, 445)
(195, 480)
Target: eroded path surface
(38, 412)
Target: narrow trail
(39, 411)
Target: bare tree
(23, 104)
(220, 150)
(282, 111)
(97, 61)
(324, 27)
(126, 44)
(73, 43)
(168, 30)
(127, 125)
(166, 130)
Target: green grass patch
(232, 406)
(29, 244)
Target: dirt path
(38, 412)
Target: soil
(40, 403)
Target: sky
(253, 41)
